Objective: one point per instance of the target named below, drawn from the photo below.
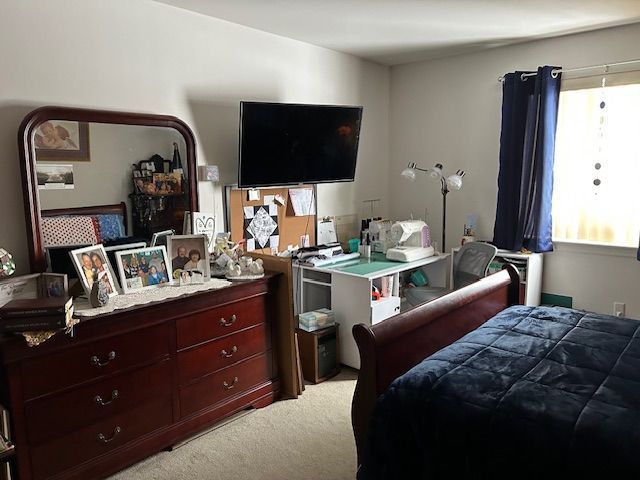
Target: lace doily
(83, 308)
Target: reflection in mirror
(91, 164)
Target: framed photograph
(189, 252)
(92, 265)
(186, 223)
(54, 177)
(57, 140)
(190, 277)
(160, 238)
(168, 183)
(144, 185)
(54, 285)
(143, 268)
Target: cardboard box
(321, 318)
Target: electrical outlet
(618, 309)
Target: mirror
(128, 175)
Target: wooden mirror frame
(28, 160)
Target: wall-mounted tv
(287, 144)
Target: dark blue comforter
(533, 393)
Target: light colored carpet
(309, 438)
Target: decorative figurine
(7, 264)
(246, 268)
(224, 251)
(99, 296)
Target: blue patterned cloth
(111, 226)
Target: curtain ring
(554, 73)
(522, 77)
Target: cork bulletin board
(239, 211)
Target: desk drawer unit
(93, 360)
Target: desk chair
(470, 264)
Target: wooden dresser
(131, 383)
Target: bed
(473, 385)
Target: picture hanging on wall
(261, 227)
(57, 140)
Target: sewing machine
(412, 239)
(380, 231)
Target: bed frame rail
(390, 348)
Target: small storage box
(319, 353)
(321, 318)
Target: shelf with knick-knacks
(160, 195)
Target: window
(596, 194)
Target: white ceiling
(400, 31)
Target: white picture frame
(90, 263)
(142, 268)
(204, 223)
(160, 238)
(182, 249)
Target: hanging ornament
(7, 264)
(601, 134)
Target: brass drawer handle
(104, 439)
(229, 386)
(226, 354)
(231, 321)
(98, 399)
(96, 362)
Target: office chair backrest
(471, 262)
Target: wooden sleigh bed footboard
(390, 348)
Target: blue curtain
(527, 144)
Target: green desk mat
(366, 268)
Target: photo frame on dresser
(189, 252)
(92, 265)
(143, 268)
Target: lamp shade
(409, 173)
(454, 182)
(435, 172)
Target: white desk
(346, 288)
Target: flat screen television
(287, 144)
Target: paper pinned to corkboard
(302, 201)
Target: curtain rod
(556, 71)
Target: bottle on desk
(365, 247)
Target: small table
(345, 288)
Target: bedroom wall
(149, 57)
(448, 111)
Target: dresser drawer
(217, 354)
(63, 413)
(225, 383)
(86, 362)
(223, 320)
(102, 437)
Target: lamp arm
(444, 188)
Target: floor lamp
(452, 182)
